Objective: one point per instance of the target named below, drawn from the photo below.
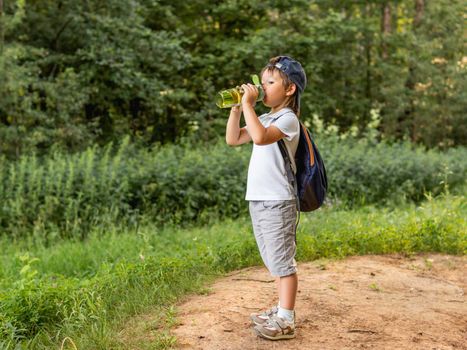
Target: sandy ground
(368, 302)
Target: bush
(363, 171)
(65, 195)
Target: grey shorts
(274, 228)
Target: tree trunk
(2, 35)
(368, 43)
(385, 28)
(419, 10)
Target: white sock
(286, 314)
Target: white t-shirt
(267, 176)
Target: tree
(76, 73)
(386, 27)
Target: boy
(271, 197)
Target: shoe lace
(277, 323)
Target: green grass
(89, 289)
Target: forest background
(76, 73)
(118, 193)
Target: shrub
(362, 171)
(65, 195)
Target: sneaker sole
(278, 337)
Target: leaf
(25, 270)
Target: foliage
(362, 171)
(78, 73)
(89, 72)
(424, 101)
(66, 195)
(43, 300)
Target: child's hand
(237, 109)
(250, 94)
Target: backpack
(310, 182)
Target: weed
(428, 264)
(375, 287)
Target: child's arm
(234, 135)
(258, 133)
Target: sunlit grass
(88, 289)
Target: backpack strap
(292, 180)
(285, 155)
(288, 163)
(288, 167)
(290, 174)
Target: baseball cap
(293, 70)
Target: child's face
(275, 94)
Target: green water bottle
(233, 97)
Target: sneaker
(261, 318)
(276, 328)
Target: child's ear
(290, 90)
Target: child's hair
(293, 102)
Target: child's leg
(278, 287)
(278, 222)
(274, 229)
(288, 291)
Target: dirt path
(369, 302)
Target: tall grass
(68, 196)
(88, 289)
(366, 172)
